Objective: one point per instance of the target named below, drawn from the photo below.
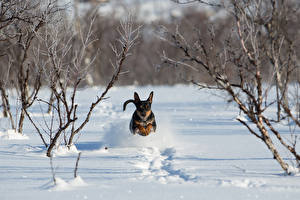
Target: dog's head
(143, 107)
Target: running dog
(143, 119)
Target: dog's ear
(150, 97)
(136, 97)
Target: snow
(73, 184)
(63, 150)
(117, 135)
(245, 183)
(11, 134)
(199, 151)
(293, 171)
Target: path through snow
(155, 152)
(159, 165)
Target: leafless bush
(20, 21)
(263, 38)
(142, 66)
(62, 53)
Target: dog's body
(143, 120)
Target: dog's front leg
(148, 128)
(145, 130)
(141, 129)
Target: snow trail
(159, 165)
(11, 134)
(156, 152)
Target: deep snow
(198, 152)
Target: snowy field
(198, 152)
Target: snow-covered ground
(198, 152)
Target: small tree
(261, 41)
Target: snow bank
(13, 135)
(245, 183)
(62, 185)
(293, 171)
(63, 150)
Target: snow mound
(294, 171)
(62, 185)
(245, 183)
(13, 135)
(63, 150)
(118, 135)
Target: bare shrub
(20, 21)
(62, 53)
(263, 38)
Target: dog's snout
(144, 113)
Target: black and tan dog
(143, 119)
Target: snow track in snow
(155, 152)
(159, 165)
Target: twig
(76, 165)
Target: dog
(143, 120)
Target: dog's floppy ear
(136, 97)
(127, 102)
(150, 97)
